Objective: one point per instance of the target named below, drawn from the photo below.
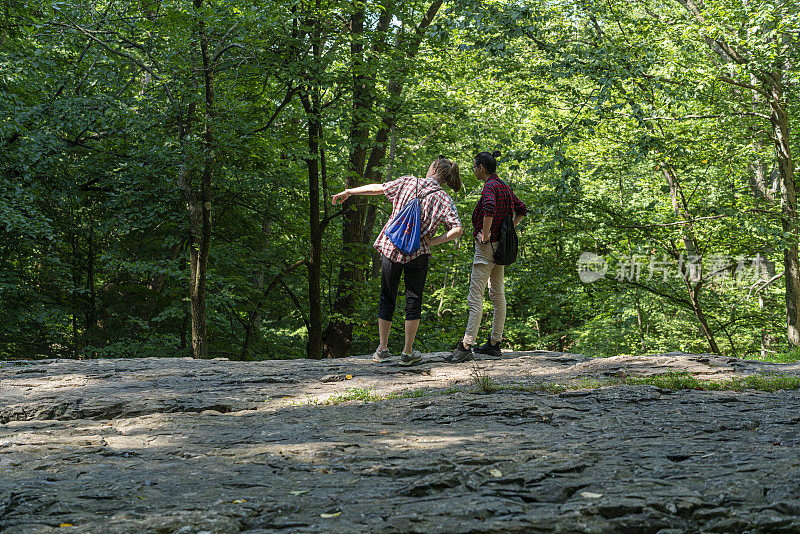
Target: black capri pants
(414, 273)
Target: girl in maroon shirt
(496, 202)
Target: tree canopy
(166, 170)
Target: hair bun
(496, 153)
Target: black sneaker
(460, 354)
(489, 349)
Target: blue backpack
(404, 231)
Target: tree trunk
(200, 209)
(314, 347)
(761, 178)
(639, 319)
(780, 123)
(91, 308)
(771, 86)
(186, 321)
(75, 282)
(338, 336)
(681, 212)
(313, 107)
(197, 304)
(694, 298)
(199, 203)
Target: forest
(167, 167)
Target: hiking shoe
(410, 359)
(489, 349)
(381, 356)
(460, 354)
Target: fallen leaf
(384, 431)
(348, 377)
(495, 473)
(327, 516)
(62, 525)
(590, 495)
(298, 492)
(239, 501)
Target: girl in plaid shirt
(436, 209)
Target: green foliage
(481, 380)
(354, 394)
(592, 106)
(792, 356)
(677, 381)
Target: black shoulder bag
(506, 251)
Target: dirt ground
(186, 446)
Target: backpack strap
(513, 195)
(434, 190)
(422, 196)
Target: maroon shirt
(497, 200)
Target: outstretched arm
(369, 189)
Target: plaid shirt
(436, 208)
(497, 200)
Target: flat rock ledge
(185, 446)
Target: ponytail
(448, 172)
(488, 161)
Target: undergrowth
(792, 356)
(483, 383)
(685, 380)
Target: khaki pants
(484, 271)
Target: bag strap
(434, 190)
(420, 197)
(513, 195)
(416, 191)
(502, 182)
(505, 184)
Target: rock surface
(186, 446)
